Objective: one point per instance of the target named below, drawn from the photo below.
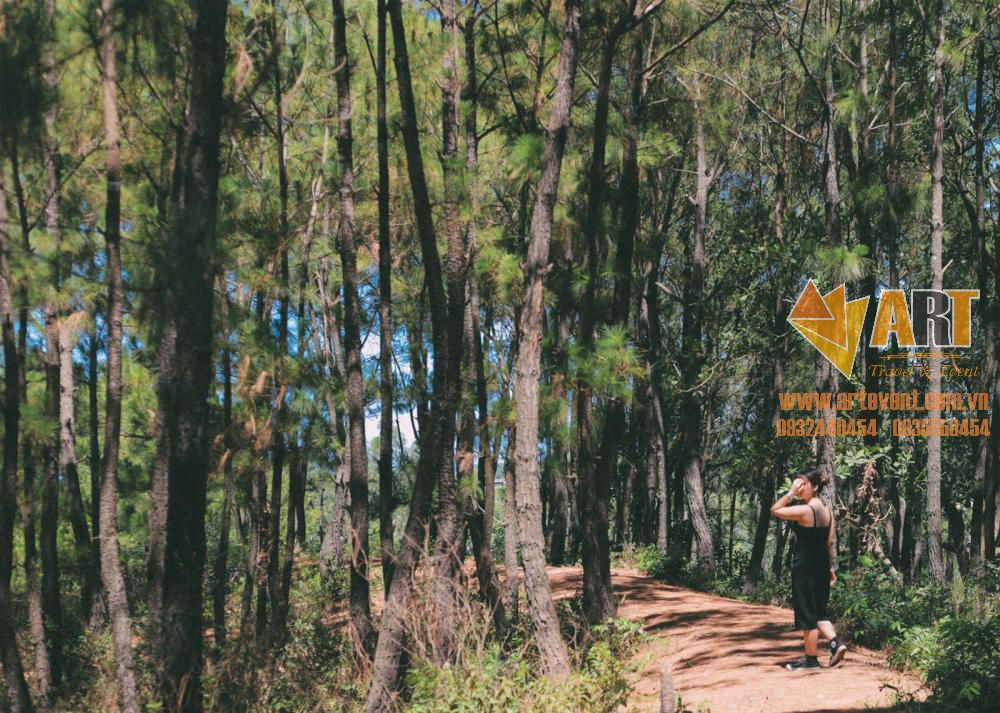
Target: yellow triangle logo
(830, 323)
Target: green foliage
(873, 605)
(493, 683)
(649, 560)
(966, 669)
(959, 659)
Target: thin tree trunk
(111, 571)
(481, 520)
(94, 455)
(594, 492)
(704, 552)
(935, 554)
(51, 594)
(347, 233)
(17, 689)
(279, 445)
(33, 592)
(185, 360)
(554, 658)
(825, 377)
(90, 596)
(386, 500)
(437, 435)
(511, 539)
(220, 574)
(332, 546)
(780, 347)
(614, 424)
(450, 523)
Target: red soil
(728, 654)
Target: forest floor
(727, 655)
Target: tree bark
(386, 500)
(935, 554)
(825, 377)
(51, 594)
(111, 571)
(332, 546)
(347, 234)
(511, 538)
(93, 429)
(450, 522)
(33, 591)
(481, 519)
(187, 276)
(594, 492)
(18, 697)
(437, 435)
(90, 595)
(692, 325)
(220, 573)
(554, 658)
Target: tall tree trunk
(693, 323)
(450, 522)
(594, 493)
(780, 348)
(220, 573)
(187, 277)
(984, 474)
(775, 471)
(279, 445)
(17, 689)
(93, 431)
(437, 435)
(91, 603)
(111, 571)
(332, 546)
(614, 425)
(385, 495)
(552, 650)
(51, 594)
(825, 377)
(33, 591)
(481, 519)
(891, 225)
(347, 235)
(935, 555)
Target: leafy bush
(492, 683)
(872, 607)
(649, 560)
(963, 664)
(776, 591)
(968, 669)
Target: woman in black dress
(813, 569)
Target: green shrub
(967, 669)
(776, 591)
(871, 606)
(492, 683)
(649, 560)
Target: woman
(813, 570)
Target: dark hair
(817, 479)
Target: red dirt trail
(728, 654)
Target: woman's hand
(796, 488)
(833, 577)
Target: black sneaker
(837, 652)
(806, 663)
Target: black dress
(810, 573)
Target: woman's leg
(811, 637)
(826, 628)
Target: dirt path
(728, 654)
